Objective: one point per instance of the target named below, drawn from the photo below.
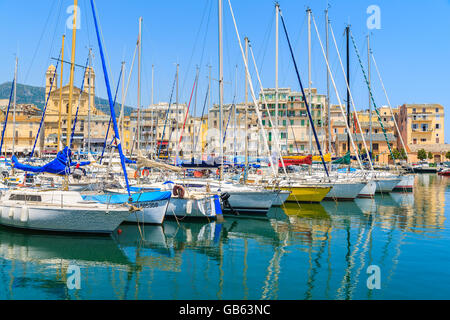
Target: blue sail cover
(57, 166)
(123, 198)
(128, 161)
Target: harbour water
(318, 251)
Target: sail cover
(343, 160)
(57, 166)
(124, 198)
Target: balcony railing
(421, 130)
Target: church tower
(89, 82)
(49, 78)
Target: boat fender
(189, 207)
(178, 191)
(24, 214)
(136, 174)
(145, 172)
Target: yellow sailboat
(305, 193)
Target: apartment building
(422, 123)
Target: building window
(438, 126)
(437, 110)
(414, 141)
(375, 147)
(437, 140)
(423, 140)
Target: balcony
(421, 130)
(422, 120)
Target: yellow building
(422, 123)
(27, 121)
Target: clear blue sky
(412, 47)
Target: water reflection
(306, 251)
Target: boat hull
(153, 213)
(386, 185)
(406, 184)
(369, 190)
(306, 193)
(69, 220)
(345, 191)
(191, 208)
(250, 202)
(280, 198)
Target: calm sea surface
(309, 252)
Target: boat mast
(370, 102)
(246, 113)
(58, 147)
(328, 83)
(277, 8)
(139, 86)
(123, 98)
(72, 72)
(14, 104)
(89, 100)
(347, 31)
(176, 120)
(235, 129)
(152, 146)
(221, 89)
(309, 76)
(193, 115)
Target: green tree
(421, 154)
(430, 155)
(447, 155)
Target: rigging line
(351, 98)
(252, 91)
(167, 116)
(86, 21)
(267, 35)
(187, 113)
(39, 42)
(195, 43)
(373, 100)
(128, 84)
(296, 44)
(227, 50)
(111, 117)
(110, 100)
(54, 32)
(79, 102)
(304, 96)
(203, 112)
(277, 142)
(6, 116)
(229, 117)
(390, 106)
(45, 107)
(104, 47)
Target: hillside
(35, 95)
